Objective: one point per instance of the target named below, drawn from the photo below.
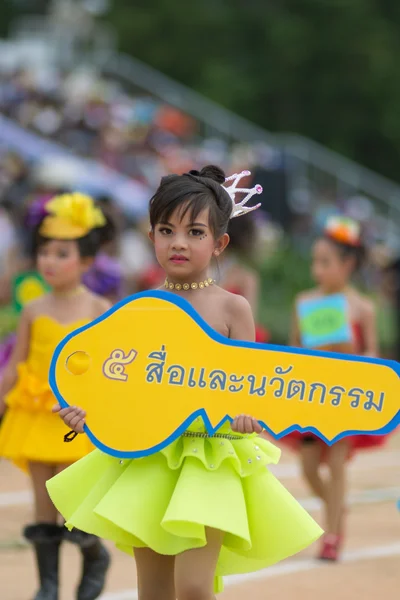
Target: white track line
(8, 499)
(362, 462)
(371, 496)
(285, 568)
(287, 471)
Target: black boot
(96, 561)
(46, 539)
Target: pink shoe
(330, 547)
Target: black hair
(194, 192)
(348, 251)
(88, 245)
(105, 200)
(243, 234)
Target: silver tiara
(238, 208)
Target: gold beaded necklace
(189, 286)
(70, 293)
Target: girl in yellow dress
(31, 436)
(205, 506)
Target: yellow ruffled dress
(30, 432)
(165, 501)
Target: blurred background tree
(322, 68)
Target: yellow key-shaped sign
(151, 365)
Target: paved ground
(370, 565)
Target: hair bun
(213, 172)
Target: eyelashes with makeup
(193, 232)
(198, 233)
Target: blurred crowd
(94, 117)
(136, 135)
(21, 191)
(142, 139)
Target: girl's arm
(20, 354)
(242, 328)
(369, 329)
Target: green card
(324, 321)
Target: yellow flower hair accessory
(71, 216)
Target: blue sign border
(214, 335)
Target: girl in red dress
(336, 256)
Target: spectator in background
(8, 241)
(389, 265)
(237, 274)
(15, 181)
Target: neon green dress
(165, 501)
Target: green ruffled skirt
(166, 501)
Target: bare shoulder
(35, 308)
(99, 305)
(235, 305)
(307, 295)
